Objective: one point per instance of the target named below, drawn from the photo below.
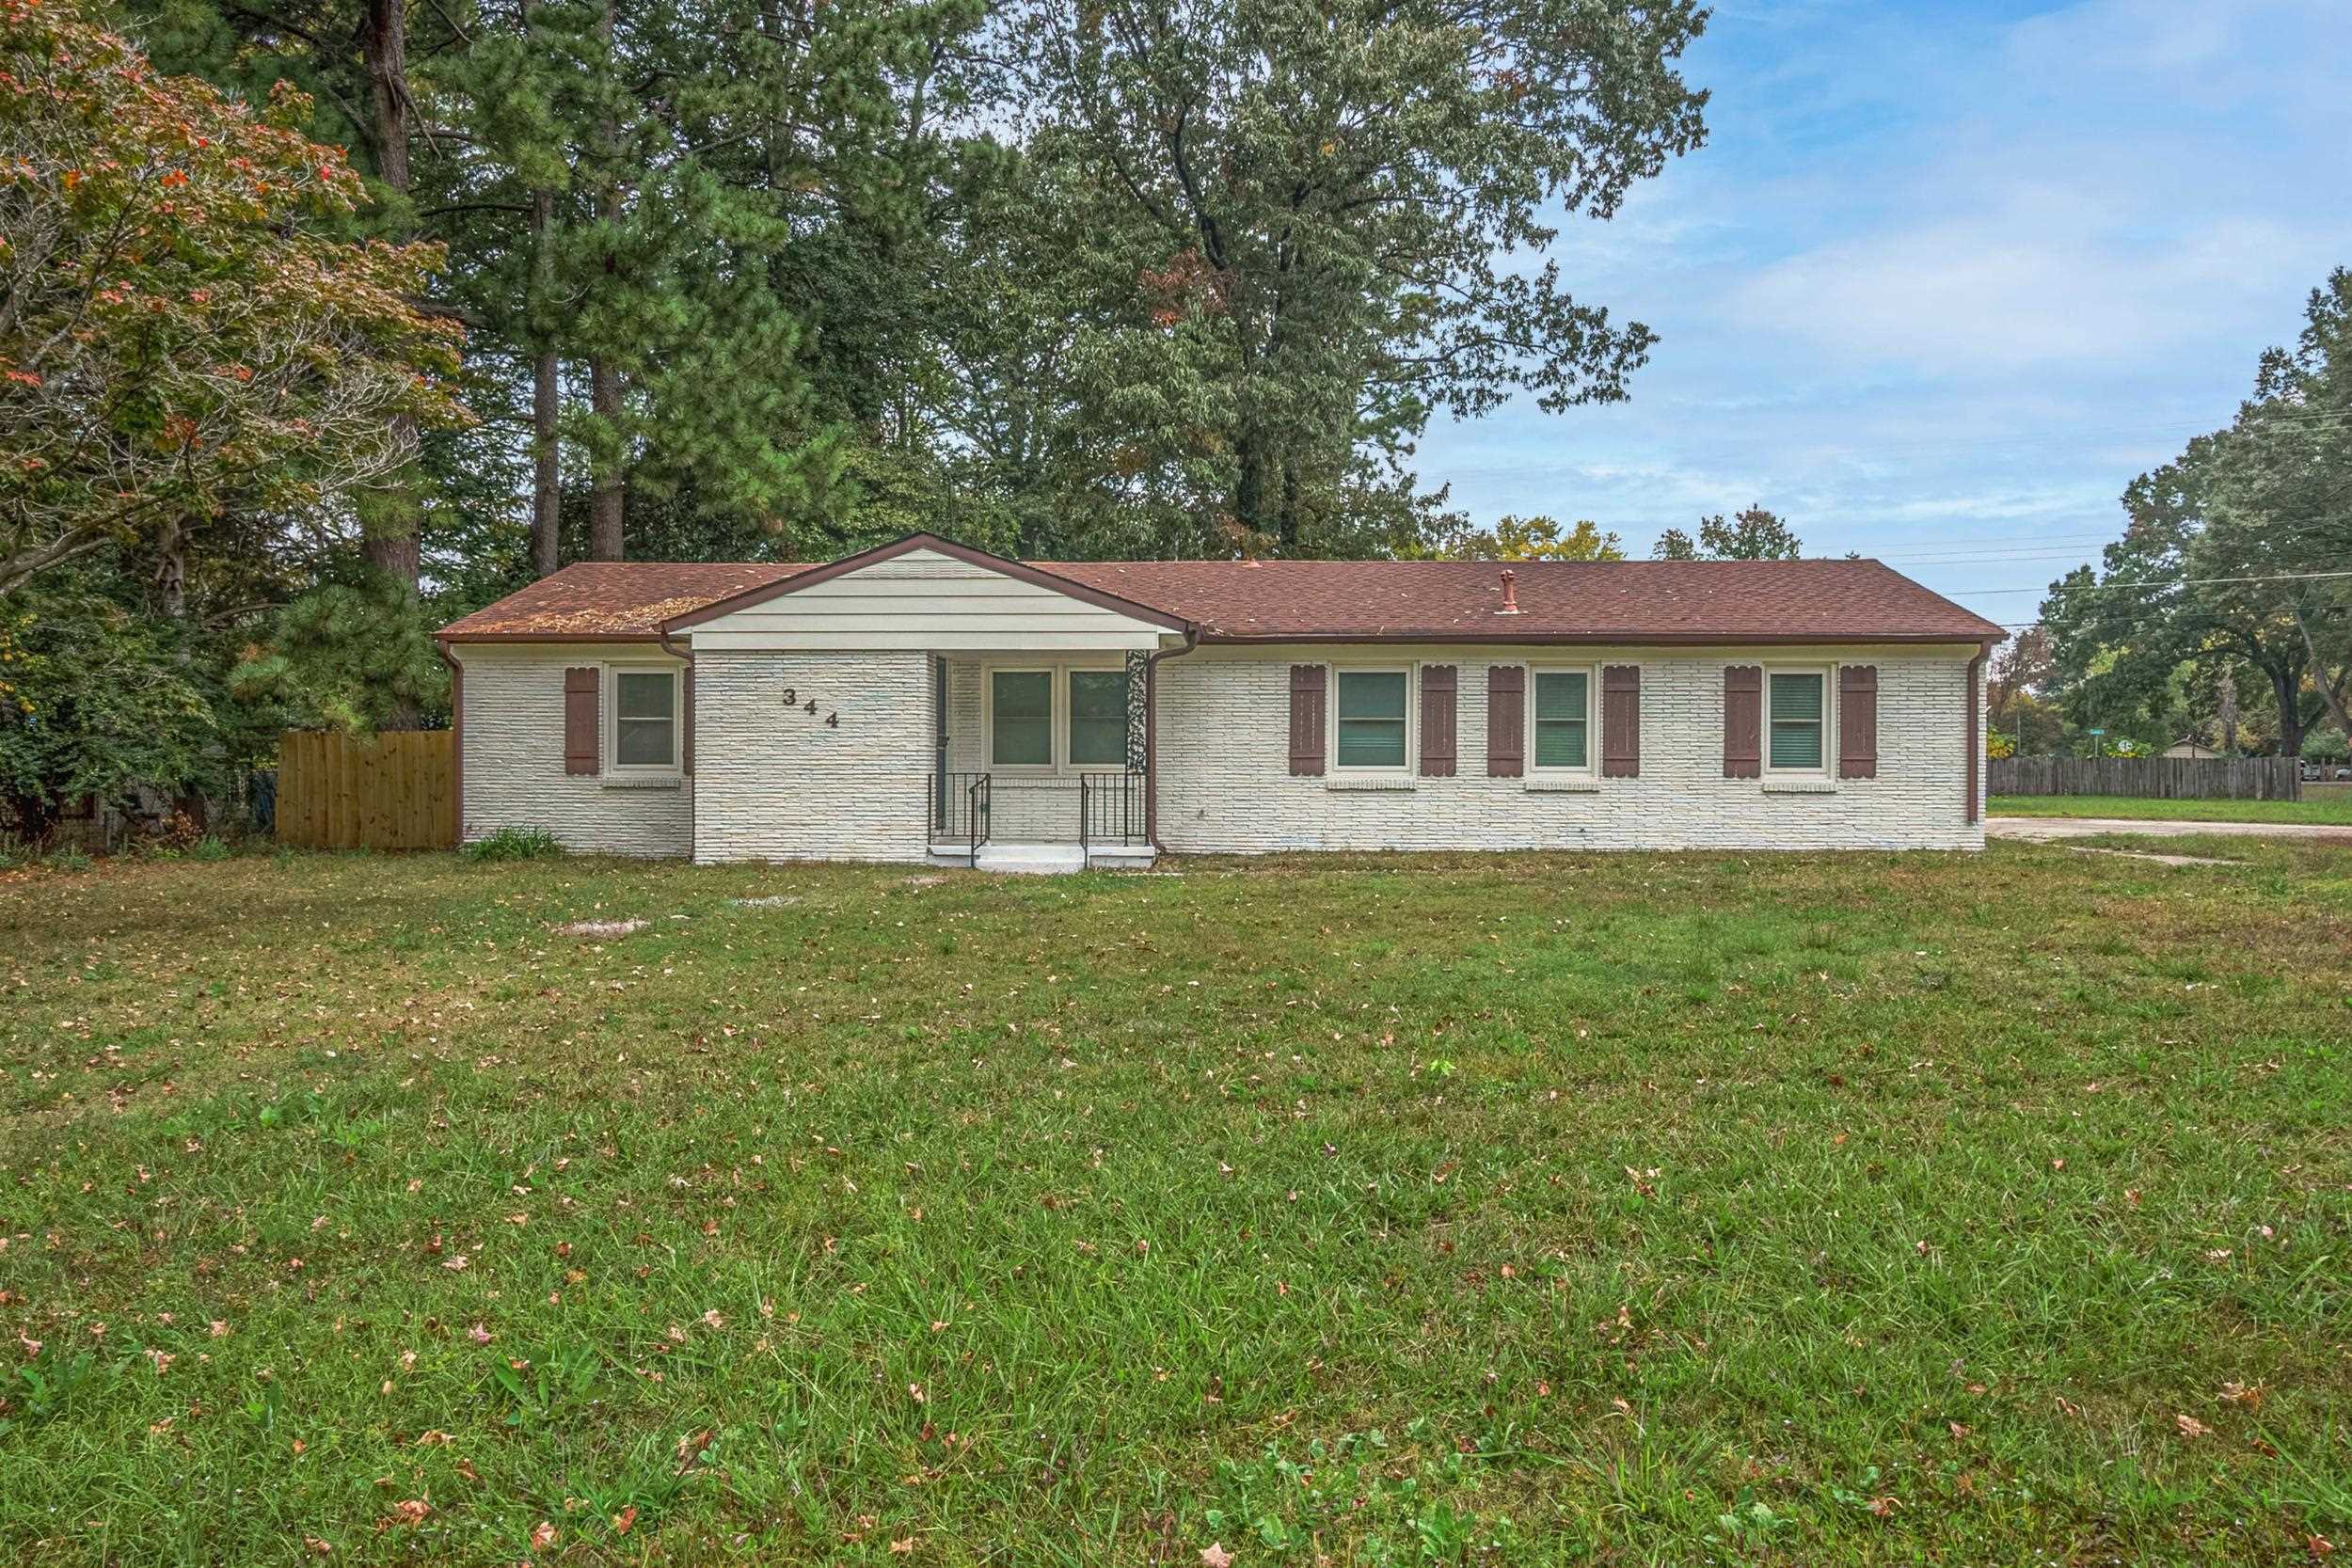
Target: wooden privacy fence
(397, 790)
(2156, 778)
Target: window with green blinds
(1796, 721)
(1563, 713)
(1098, 718)
(1370, 719)
(645, 719)
(1020, 717)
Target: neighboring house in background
(924, 701)
(2191, 747)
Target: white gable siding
(779, 783)
(512, 757)
(1225, 782)
(926, 601)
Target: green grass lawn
(1539, 1209)
(2318, 807)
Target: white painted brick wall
(514, 758)
(1225, 782)
(777, 782)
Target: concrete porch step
(1046, 858)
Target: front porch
(1016, 823)
(1038, 762)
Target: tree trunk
(389, 542)
(608, 502)
(171, 571)
(2330, 686)
(2285, 685)
(384, 45)
(2225, 695)
(547, 482)
(547, 486)
(547, 391)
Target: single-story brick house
(924, 701)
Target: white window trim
(613, 767)
(1829, 721)
(1592, 721)
(1059, 709)
(1333, 766)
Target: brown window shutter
(1436, 720)
(1859, 721)
(1621, 721)
(685, 719)
(1506, 720)
(1307, 684)
(1744, 722)
(580, 718)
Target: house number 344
(792, 699)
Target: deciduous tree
(1515, 538)
(1298, 226)
(178, 335)
(1754, 534)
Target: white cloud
(2044, 274)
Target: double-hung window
(1098, 719)
(645, 711)
(1021, 718)
(1370, 719)
(1561, 704)
(1057, 717)
(1796, 721)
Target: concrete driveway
(2045, 829)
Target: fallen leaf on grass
(625, 1520)
(2191, 1427)
(1214, 1555)
(544, 1537)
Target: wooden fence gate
(2157, 778)
(397, 790)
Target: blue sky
(1946, 277)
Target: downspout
(686, 750)
(456, 738)
(1974, 759)
(1152, 730)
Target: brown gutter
(1150, 734)
(548, 637)
(456, 737)
(1974, 760)
(1434, 637)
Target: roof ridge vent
(1510, 594)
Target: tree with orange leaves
(179, 340)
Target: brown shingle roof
(1420, 601)
(1617, 601)
(607, 600)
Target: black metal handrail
(1110, 806)
(957, 809)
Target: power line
(2176, 582)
